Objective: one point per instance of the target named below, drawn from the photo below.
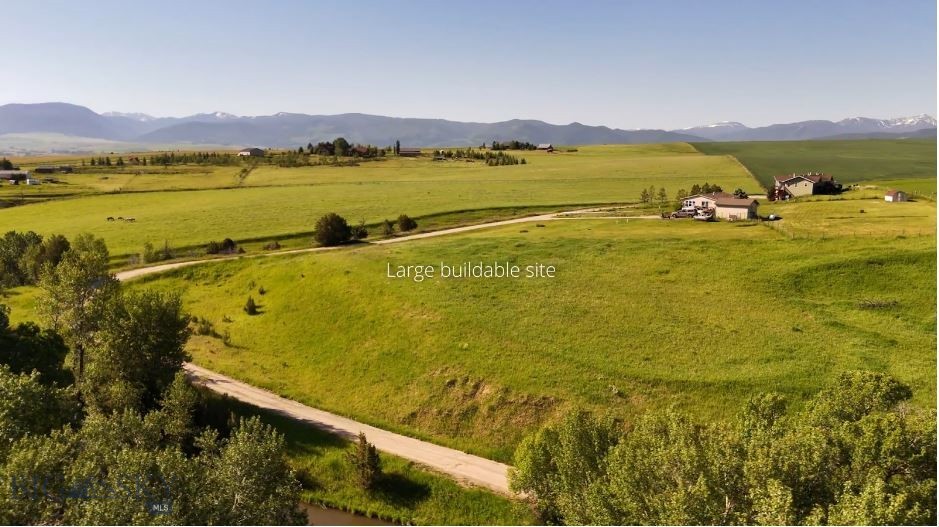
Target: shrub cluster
(226, 246)
(151, 254)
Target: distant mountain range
(853, 128)
(23, 121)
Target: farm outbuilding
(733, 208)
(251, 152)
(46, 169)
(723, 205)
(895, 195)
(408, 151)
(547, 147)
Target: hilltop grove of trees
(857, 454)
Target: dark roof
(814, 177)
(735, 202)
(409, 149)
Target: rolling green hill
(641, 314)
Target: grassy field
(271, 202)
(893, 162)
(642, 313)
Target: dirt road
(154, 269)
(459, 465)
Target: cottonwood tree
(249, 481)
(662, 196)
(137, 351)
(858, 454)
(29, 407)
(562, 466)
(27, 348)
(74, 296)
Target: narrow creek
(317, 515)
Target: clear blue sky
(650, 64)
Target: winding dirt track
(463, 467)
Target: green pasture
(641, 313)
(271, 202)
(848, 161)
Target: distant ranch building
(724, 206)
(14, 177)
(251, 152)
(547, 147)
(407, 151)
(798, 185)
(65, 169)
(895, 196)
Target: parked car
(683, 213)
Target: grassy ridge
(275, 201)
(848, 161)
(642, 313)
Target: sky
(625, 64)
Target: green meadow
(191, 205)
(906, 164)
(640, 314)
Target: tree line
(514, 144)
(651, 196)
(491, 158)
(99, 424)
(857, 454)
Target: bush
(405, 223)
(151, 254)
(387, 228)
(203, 326)
(365, 462)
(250, 307)
(272, 246)
(332, 229)
(359, 232)
(226, 246)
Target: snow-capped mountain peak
(142, 117)
(726, 125)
